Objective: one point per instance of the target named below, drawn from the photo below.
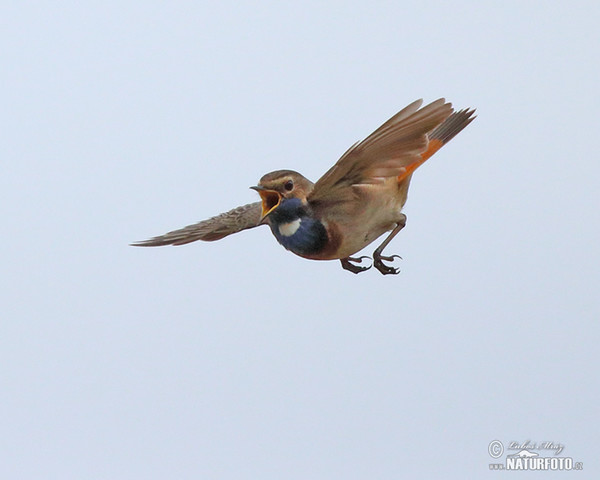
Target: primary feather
(385, 153)
(215, 228)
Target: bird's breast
(305, 236)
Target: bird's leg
(346, 265)
(378, 258)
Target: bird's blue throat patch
(296, 229)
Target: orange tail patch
(441, 135)
(434, 146)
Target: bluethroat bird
(357, 200)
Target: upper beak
(270, 200)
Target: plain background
(236, 359)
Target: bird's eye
(289, 185)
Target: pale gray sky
(236, 359)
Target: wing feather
(385, 153)
(215, 228)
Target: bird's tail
(440, 136)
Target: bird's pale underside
(352, 204)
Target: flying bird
(355, 202)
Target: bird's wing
(215, 228)
(385, 153)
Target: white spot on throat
(288, 229)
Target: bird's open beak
(270, 200)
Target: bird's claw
(347, 265)
(382, 267)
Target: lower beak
(270, 200)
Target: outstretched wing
(215, 228)
(385, 153)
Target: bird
(355, 202)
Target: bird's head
(277, 186)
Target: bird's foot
(382, 267)
(347, 265)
